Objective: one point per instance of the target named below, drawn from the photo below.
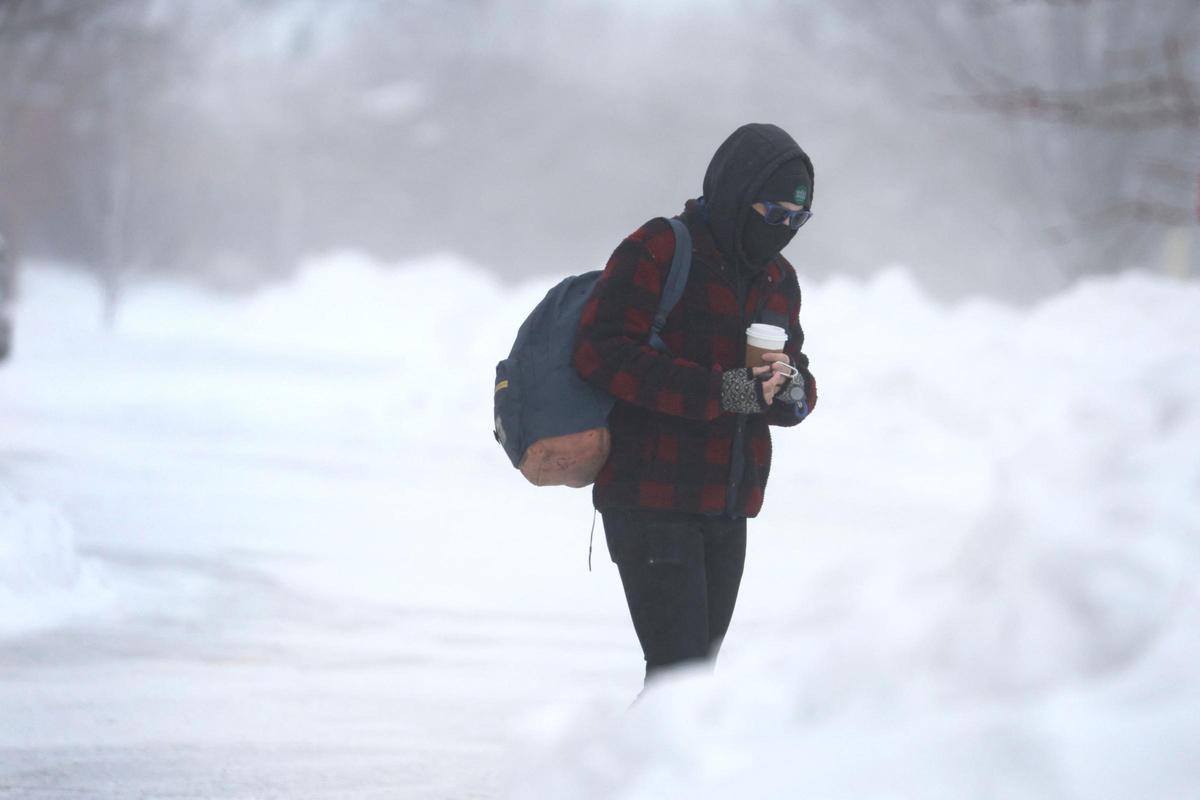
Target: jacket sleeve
(611, 350)
(785, 414)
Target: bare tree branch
(1124, 210)
(1169, 98)
(1119, 78)
(992, 7)
(20, 18)
(1176, 174)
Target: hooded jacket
(673, 447)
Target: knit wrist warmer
(740, 392)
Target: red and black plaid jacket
(672, 446)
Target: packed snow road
(198, 671)
(234, 574)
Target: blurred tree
(1102, 99)
(87, 99)
(224, 140)
(27, 30)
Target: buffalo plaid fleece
(673, 447)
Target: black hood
(738, 170)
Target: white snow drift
(43, 581)
(975, 574)
(1017, 613)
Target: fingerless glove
(741, 393)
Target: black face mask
(762, 242)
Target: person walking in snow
(691, 449)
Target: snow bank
(975, 574)
(43, 581)
(340, 305)
(993, 585)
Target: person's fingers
(758, 371)
(771, 387)
(772, 357)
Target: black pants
(681, 574)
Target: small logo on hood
(801, 196)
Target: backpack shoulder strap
(677, 278)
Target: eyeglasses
(776, 214)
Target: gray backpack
(552, 424)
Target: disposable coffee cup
(762, 339)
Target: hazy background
(1002, 147)
(250, 547)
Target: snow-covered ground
(267, 547)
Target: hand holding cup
(781, 372)
(765, 343)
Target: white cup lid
(767, 333)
